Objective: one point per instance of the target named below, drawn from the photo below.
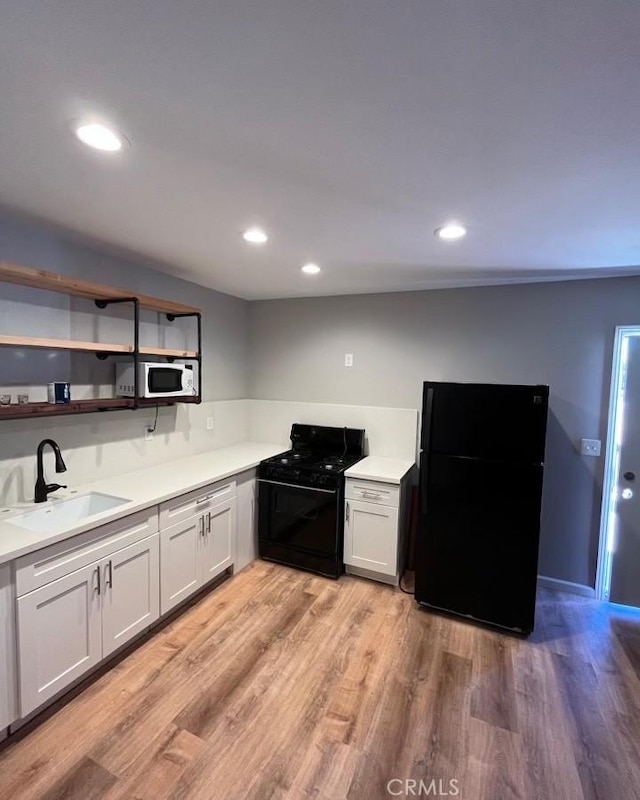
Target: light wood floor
(283, 685)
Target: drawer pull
(371, 495)
(202, 500)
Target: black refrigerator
(481, 470)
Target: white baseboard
(565, 586)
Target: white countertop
(143, 488)
(373, 468)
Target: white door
(179, 561)
(131, 592)
(619, 562)
(218, 542)
(371, 536)
(59, 635)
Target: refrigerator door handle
(426, 418)
(423, 484)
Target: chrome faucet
(43, 489)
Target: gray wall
(555, 333)
(225, 318)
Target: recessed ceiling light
(255, 236)
(452, 230)
(311, 269)
(100, 137)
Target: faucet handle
(53, 487)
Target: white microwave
(155, 380)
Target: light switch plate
(590, 447)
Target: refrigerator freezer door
(477, 542)
(490, 421)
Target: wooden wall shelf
(76, 287)
(167, 352)
(91, 347)
(62, 344)
(102, 296)
(32, 410)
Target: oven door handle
(296, 486)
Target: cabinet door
(218, 542)
(59, 635)
(8, 683)
(371, 536)
(131, 592)
(247, 532)
(179, 557)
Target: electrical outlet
(590, 447)
(209, 423)
(348, 359)
(148, 434)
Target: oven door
(298, 517)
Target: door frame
(612, 457)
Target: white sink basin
(58, 515)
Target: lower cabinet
(69, 625)
(371, 536)
(375, 516)
(195, 551)
(80, 600)
(130, 593)
(180, 572)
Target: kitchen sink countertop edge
(143, 488)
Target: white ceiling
(348, 129)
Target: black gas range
(301, 498)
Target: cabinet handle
(209, 522)
(110, 583)
(98, 580)
(347, 512)
(201, 526)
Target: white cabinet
(374, 529)
(198, 547)
(371, 536)
(179, 562)
(218, 539)
(8, 681)
(68, 625)
(59, 635)
(81, 599)
(130, 593)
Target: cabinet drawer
(195, 503)
(43, 566)
(388, 494)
